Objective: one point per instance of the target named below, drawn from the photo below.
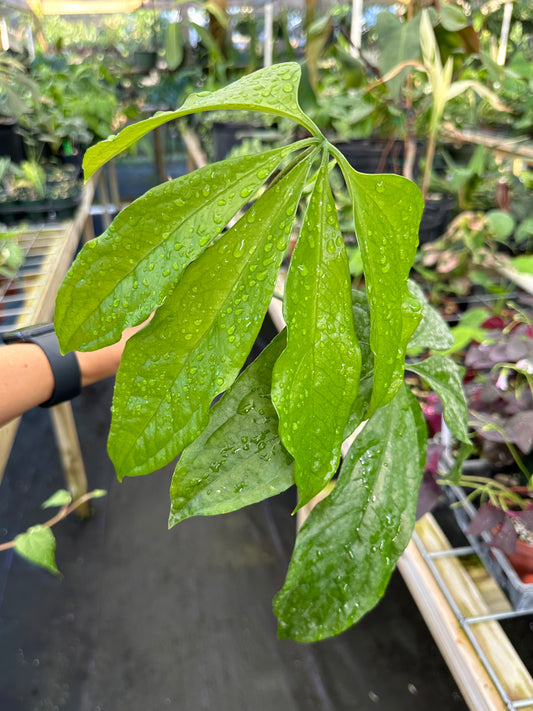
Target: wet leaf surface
(316, 378)
(349, 545)
(198, 340)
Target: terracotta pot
(522, 560)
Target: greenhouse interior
(266, 355)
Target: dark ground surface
(146, 619)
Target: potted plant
(498, 380)
(11, 255)
(339, 363)
(17, 90)
(463, 266)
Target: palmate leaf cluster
(339, 362)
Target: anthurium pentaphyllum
(203, 252)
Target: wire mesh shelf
(466, 617)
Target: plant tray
(39, 210)
(520, 594)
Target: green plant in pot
(498, 388)
(11, 254)
(203, 252)
(464, 264)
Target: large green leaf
(349, 545)
(238, 459)
(445, 378)
(38, 545)
(119, 278)
(272, 90)
(387, 210)
(398, 41)
(315, 379)
(196, 343)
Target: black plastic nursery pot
(437, 215)
(144, 60)
(18, 211)
(227, 136)
(11, 143)
(372, 155)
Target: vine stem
(60, 515)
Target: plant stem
(430, 156)
(60, 515)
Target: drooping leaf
(445, 378)
(388, 209)
(198, 340)
(238, 459)
(458, 88)
(348, 547)
(432, 331)
(174, 45)
(272, 90)
(119, 278)
(62, 497)
(315, 379)
(38, 545)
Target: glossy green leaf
(198, 340)
(238, 459)
(272, 90)
(316, 378)
(38, 545)
(432, 332)
(119, 278)
(348, 547)
(387, 211)
(445, 378)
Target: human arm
(27, 380)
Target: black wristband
(65, 368)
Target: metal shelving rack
(29, 299)
(463, 607)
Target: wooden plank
(70, 453)
(478, 689)
(7, 437)
(519, 147)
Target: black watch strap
(65, 368)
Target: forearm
(27, 380)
